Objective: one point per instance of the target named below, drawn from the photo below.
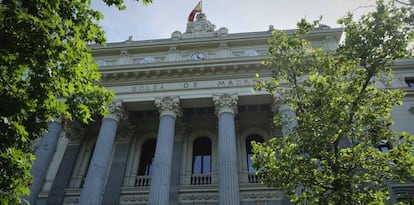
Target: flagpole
(201, 5)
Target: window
(384, 146)
(82, 162)
(249, 151)
(147, 155)
(410, 82)
(202, 156)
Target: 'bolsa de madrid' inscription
(192, 85)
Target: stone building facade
(180, 128)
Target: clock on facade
(148, 60)
(199, 55)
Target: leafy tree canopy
(332, 155)
(46, 71)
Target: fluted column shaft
(287, 115)
(74, 132)
(161, 175)
(44, 154)
(228, 171)
(285, 112)
(95, 179)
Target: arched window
(147, 155)
(202, 156)
(249, 151)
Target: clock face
(148, 60)
(199, 55)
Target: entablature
(227, 46)
(179, 71)
(236, 39)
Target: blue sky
(160, 19)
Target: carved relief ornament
(279, 105)
(116, 111)
(74, 131)
(169, 105)
(262, 195)
(225, 103)
(125, 131)
(137, 198)
(200, 25)
(194, 197)
(71, 200)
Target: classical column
(98, 167)
(169, 109)
(44, 154)
(175, 167)
(287, 114)
(74, 132)
(226, 108)
(116, 173)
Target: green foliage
(46, 71)
(332, 155)
(120, 3)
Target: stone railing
(253, 178)
(142, 181)
(200, 179)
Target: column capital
(169, 105)
(74, 131)
(116, 111)
(286, 113)
(225, 103)
(279, 105)
(61, 120)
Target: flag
(197, 9)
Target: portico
(187, 123)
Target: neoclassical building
(180, 127)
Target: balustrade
(200, 179)
(253, 178)
(142, 181)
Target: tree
(332, 155)
(46, 71)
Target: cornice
(171, 71)
(182, 64)
(409, 92)
(235, 39)
(403, 64)
(165, 44)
